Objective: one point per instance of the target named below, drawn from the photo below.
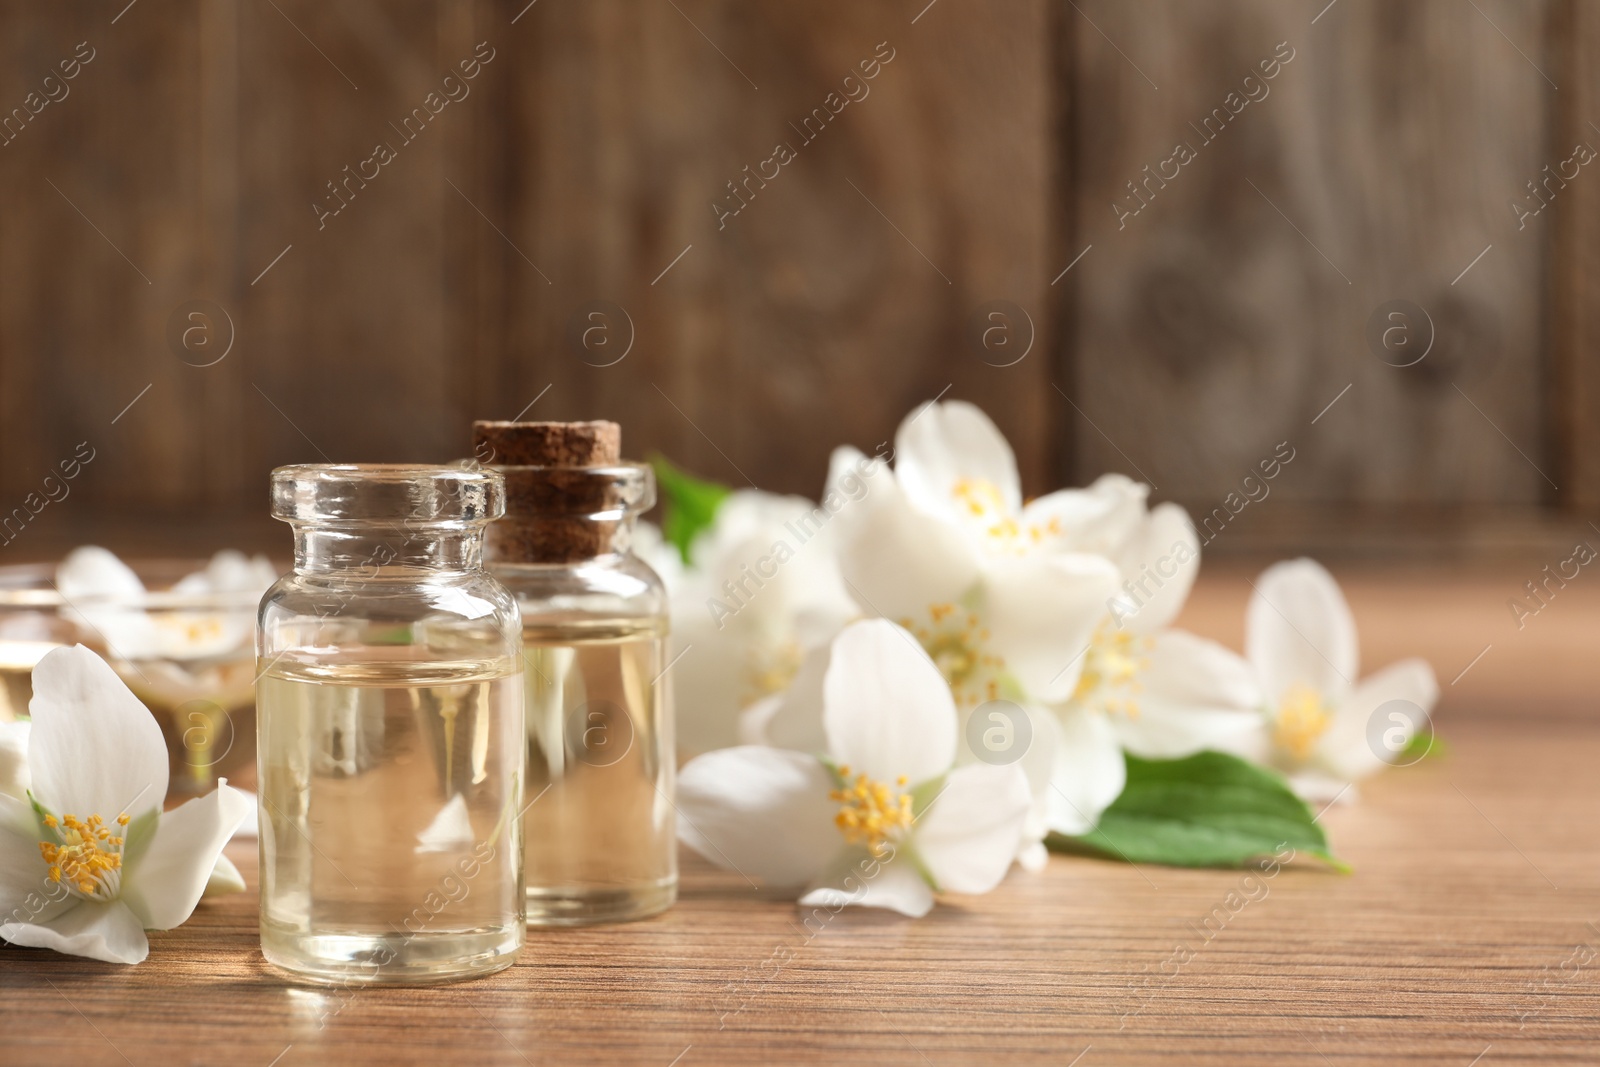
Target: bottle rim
(386, 493)
(610, 492)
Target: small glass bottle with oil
(599, 832)
(390, 732)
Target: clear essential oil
(599, 832)
(390, 827)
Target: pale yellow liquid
(390, 830)
(207, 718)
(599, 832)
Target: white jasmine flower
(999, 624)
(1004, 596)
(1169, 695)
(1164, 696)
(881, 819)
(88, 861)
(763, 589)
(1300, 640)
(1144, 688)
(1156, 549)
(953, 464)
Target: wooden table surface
(1469, 931)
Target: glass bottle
(389, 730)
(599, 832)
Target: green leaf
(688, 504)
(1422, 746)
(1208, 810)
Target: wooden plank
(816, 313)
(1574, 271)
(347, 339)
(1446, 940)
(219, 375)
(1065, 294)
(1227, 314)
(103, 241)
(593, 146)
(838, 298)
(737, 325)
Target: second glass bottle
(599, 832)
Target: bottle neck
(560, 538)
(387, 550)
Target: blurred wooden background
(577, 175)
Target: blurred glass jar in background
(181, 634)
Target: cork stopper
(552, 489)
(547, 444)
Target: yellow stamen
(1302, 719)
(871, 813)
(1111, 669)
(958, 646)
(88, 856)
(983, 500)
(770, 671)
(979, 494)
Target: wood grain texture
(349, 342)
(840, 295)
(1470, 924)
(584, 161)
(1574, 294)
(1228, 312)
(107, 233)
(984, 159)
